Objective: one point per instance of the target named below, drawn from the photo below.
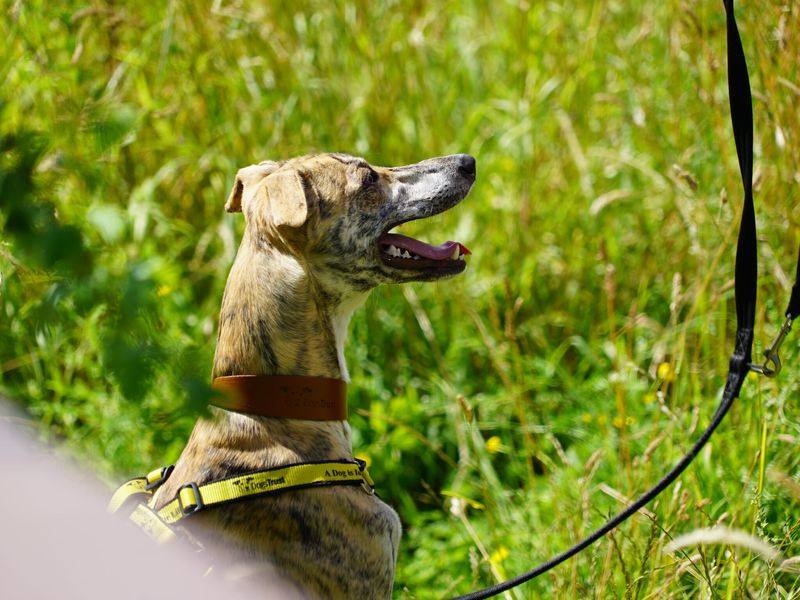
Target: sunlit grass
(562, 374)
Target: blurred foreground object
(58, 541)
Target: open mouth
(403, 252)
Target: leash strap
(191, 497)
(793, 310)
(741, 103)
(746, 274)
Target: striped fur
(308, 258)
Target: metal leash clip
(771, 353)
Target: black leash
(745, 291)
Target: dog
(316, 241)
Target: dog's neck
(277, 320)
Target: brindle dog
(315, 243)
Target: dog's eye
(370, 177)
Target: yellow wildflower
(499, 555)
(665, 372)
(494, 444)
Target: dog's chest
(334, 542)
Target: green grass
(602, 227)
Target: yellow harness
(192, 498)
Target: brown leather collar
(284, 396)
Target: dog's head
(334, 213)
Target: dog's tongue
(421, 248)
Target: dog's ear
(246, 180)
(286, 198)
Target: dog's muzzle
(428, 188)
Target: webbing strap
(127, 490)
(192, 498)
(147, 519)
(139, 486)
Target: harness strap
(149, 521)
(191, 497)
(144, 487)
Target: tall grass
(507, 412)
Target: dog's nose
(466, 165)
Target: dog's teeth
(454, 255)
(461, 257)
(406, 254)
(416, 257)
(393, 251)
